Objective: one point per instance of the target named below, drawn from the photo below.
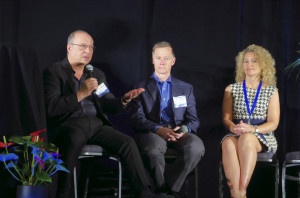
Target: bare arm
(227, 110)
(273, 115)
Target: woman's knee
(247, 139)
(229, 143)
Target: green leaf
(38, 144)
(51, 148)
(25, 183)
(43, 177)
(18, 139)
(26, 170)
(28, 138)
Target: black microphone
(89, 70)
(182, 129)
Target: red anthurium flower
(2, 145)
(38, 132)
(39, 140)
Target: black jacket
(61, 98)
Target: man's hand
(167, 134)
(178, 135)
(131, 94)
(89, 85)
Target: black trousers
(71, 136)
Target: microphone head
(89, 68)
(184, 129)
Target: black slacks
(72, 135)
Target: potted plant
(294, 65)
(30, 161)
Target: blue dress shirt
(166, 113)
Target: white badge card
(101, 90)
(179, 101)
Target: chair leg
(277, 176)
(283, 178)
(75, 182)
(120, 179)
(196, 182)
(220, 180)
(89, 169)
(86, 186)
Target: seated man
(165, 116)
(75, 114)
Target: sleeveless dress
(259, 115)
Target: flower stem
(11, 172)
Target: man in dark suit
(164, 116)
(76, 103)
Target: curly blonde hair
(265, 60)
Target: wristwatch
(256, 129)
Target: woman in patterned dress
(250, 128)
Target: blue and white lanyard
(255, 100)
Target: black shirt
(87, 104)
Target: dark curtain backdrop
(206, 36)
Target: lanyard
(255, 100)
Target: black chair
(97, 151)
(173, 154)
(265, 157)
(291, 159)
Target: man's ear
(68, 48)
(173, 61)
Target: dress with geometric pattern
(259, 115)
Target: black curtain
(22, 109)
(206, 36)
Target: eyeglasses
(84, 46)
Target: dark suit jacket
(145, 110)
(61, 98)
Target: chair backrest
(293, 157)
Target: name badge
(179, 101)
(101, 90)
